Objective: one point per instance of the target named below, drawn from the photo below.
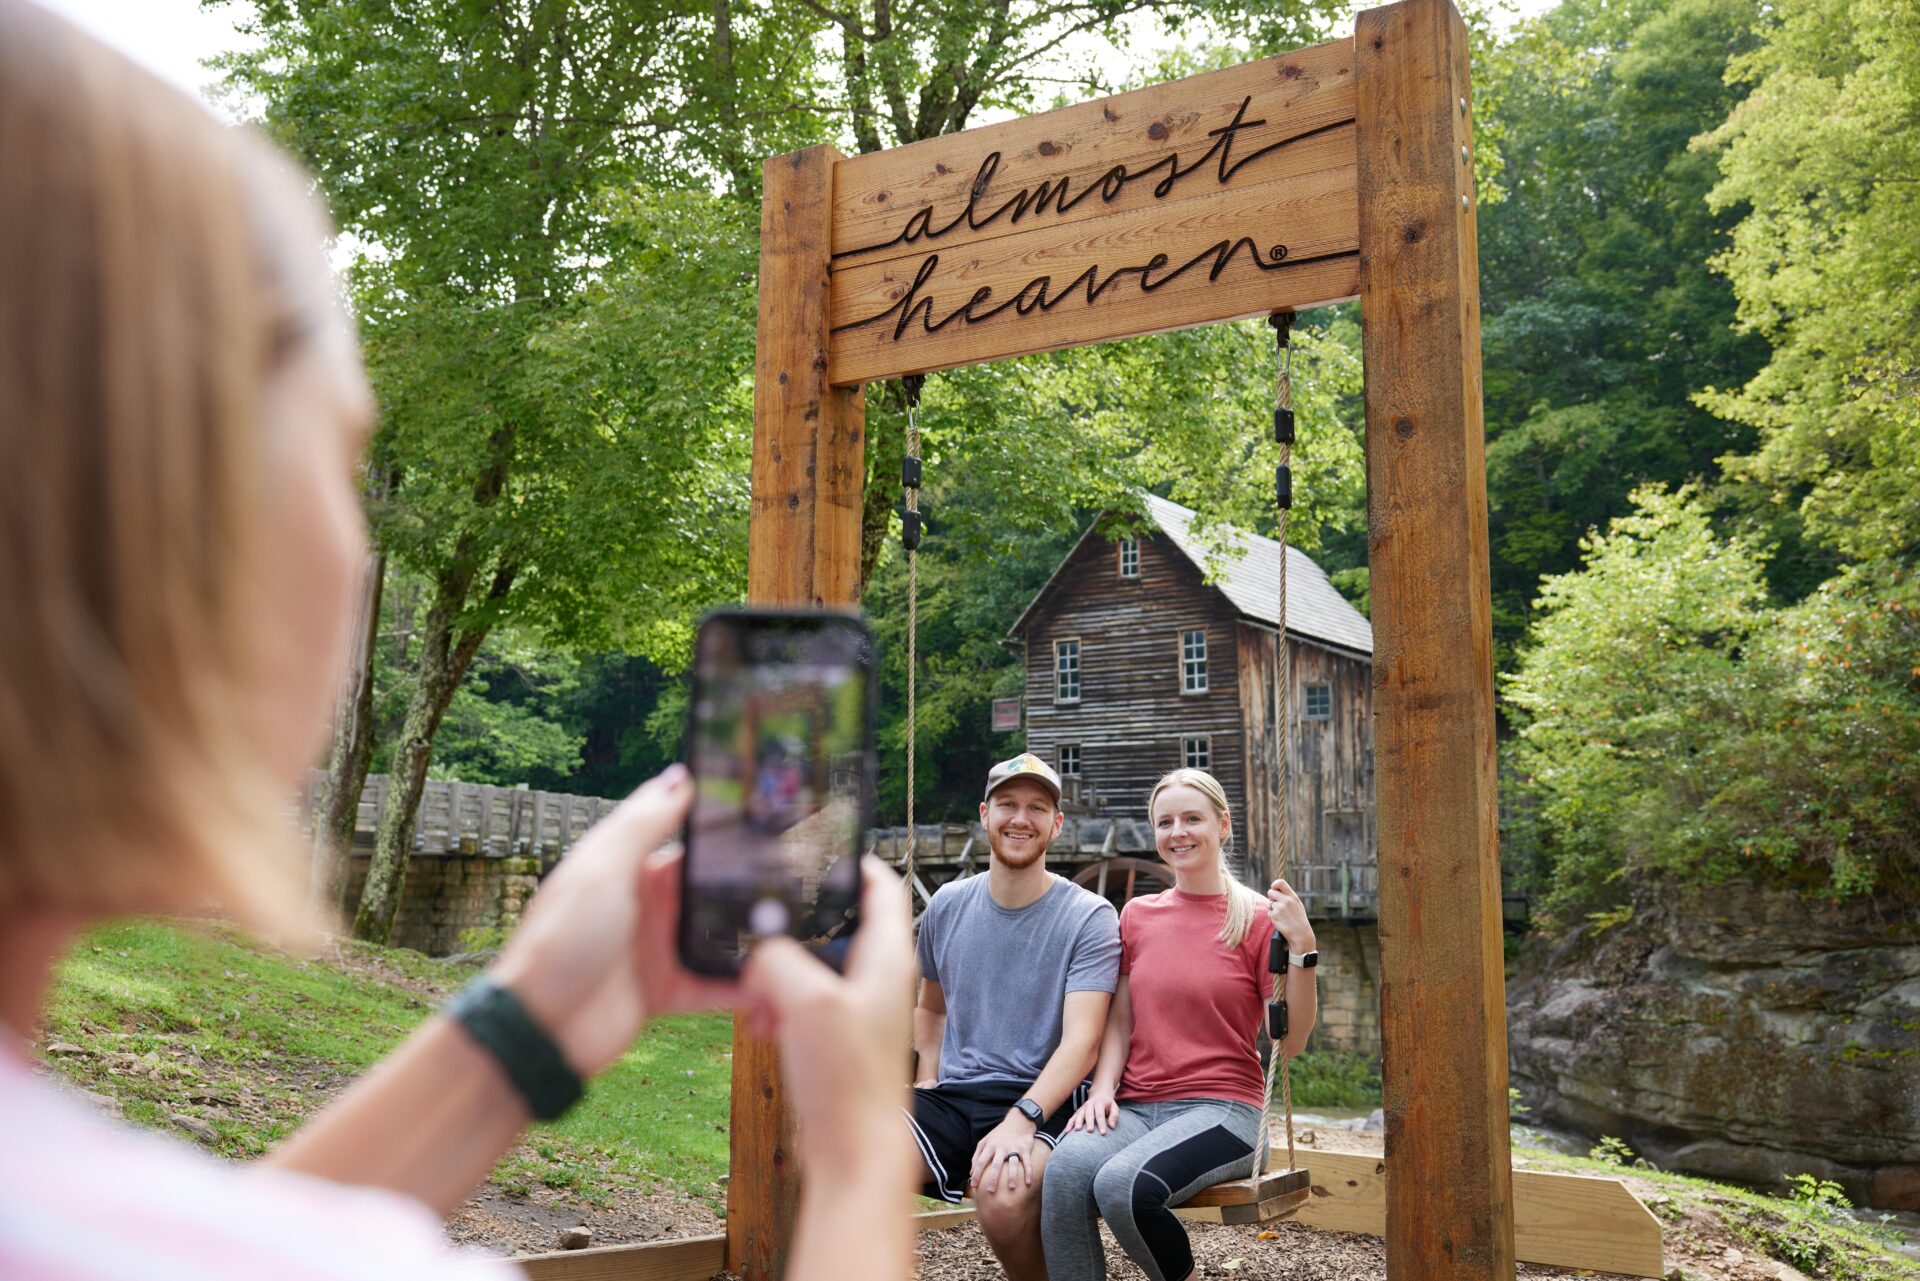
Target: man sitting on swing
(1018, 967)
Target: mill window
(1069, 760)
(1318, 704)
(1129, 558)
(1193, 662)
(1066, 671)
(1197, 753)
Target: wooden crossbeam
(683, 1259)
(1223, 195)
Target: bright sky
(169, 37)
(172, 37)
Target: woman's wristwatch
(1303, 960)
(496, 1020)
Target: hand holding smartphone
(780, 744)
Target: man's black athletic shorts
(949, 1121)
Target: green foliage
(1675, 723)
(1008, 492)
(1611, 1151)
(482, 938)
(560, 340)
(497, 728)
(1627, 679)
(1334, 1079)
(1602, 316)
(1819, 1193)
(1826, 265)
(906, 73)
(1814, 1230)
(1606, 920)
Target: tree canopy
(1698, 232)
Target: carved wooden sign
(1223, 195)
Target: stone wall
(446, 895)
(1745, 1034)
(1349, 991)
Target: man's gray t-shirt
(1006, 972)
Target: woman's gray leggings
(1159, 1155)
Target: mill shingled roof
(1247, 575)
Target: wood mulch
(1282, 1252)
(1699, 1246)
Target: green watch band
(493, 1016)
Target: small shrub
(1819, 1195)
(1613, 1151)
(482, 938)
(1334, 1079)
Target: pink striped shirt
(82, 1199)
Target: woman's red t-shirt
(1196, 1005)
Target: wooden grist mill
(1333, 172)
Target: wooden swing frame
(1358, 182)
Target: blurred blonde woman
(1176, 1095)
(182, 414)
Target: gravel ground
(532, 1224)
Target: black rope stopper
(1277, 1007)
(911, 523)
(1282, 322)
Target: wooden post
(1443, 1014)
(803, 548)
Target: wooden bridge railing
(476, 818)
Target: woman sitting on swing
(1178, 1089)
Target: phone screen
(780, 745)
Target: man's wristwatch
(1032, 1111)
(1303, 960)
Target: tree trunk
(338, 804)
(445, 655)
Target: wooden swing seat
(1278, 1194)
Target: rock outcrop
(1744, 1034)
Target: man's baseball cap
(1025, 765)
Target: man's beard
(1015, 861)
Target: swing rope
(910, 539)
(1276, 1024)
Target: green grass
(657, 1117)
(202, 1022)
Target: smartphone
(780, 744)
